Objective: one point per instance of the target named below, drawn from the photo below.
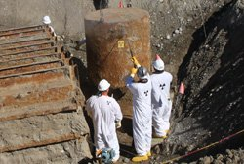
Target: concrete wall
(67, 15)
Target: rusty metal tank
(111, 35)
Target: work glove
(135, 61)
(118, 124)
(133, 72)
(98, 153)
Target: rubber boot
(156, 136)
(140, 158)
(164, 136)
(167, 131)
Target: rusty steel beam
(36, 78)
(27, 48)
(30, 60)
(37, 110)
(49, 95)
(36, 67)
(32, 53)
(57, 49)
(31, 64)
(33, 72)
(31, 43)
(22, 29)
(23, 34)
(56, 139)
(27, 86)
(32, 57)
(34, 37)
(23, 43)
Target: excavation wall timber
(40, 100)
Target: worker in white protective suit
(47, 21)
(107, 116)
(142, 113)
(161, 102)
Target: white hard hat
(46, 20)
(103, 85)
(158, 65)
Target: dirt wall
(213, 76)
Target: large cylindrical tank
(111, 35)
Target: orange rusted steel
(29, 61)
(110, 37)
(25, 39)
(37, 77)
(57, 55)
(23, 43)
(23, 29)
(28, 44)
(36, 51)
(37, 110)
(33, 72)
(27, 48)
(30, 64)
(49, 95)
(22, 34)
(35, 80)
(33, 67)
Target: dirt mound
(214, 81)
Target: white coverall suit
(52, 30)
(105, 111)
(142, 115)
(161, 103)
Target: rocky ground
(212, 74)
(203, 48)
